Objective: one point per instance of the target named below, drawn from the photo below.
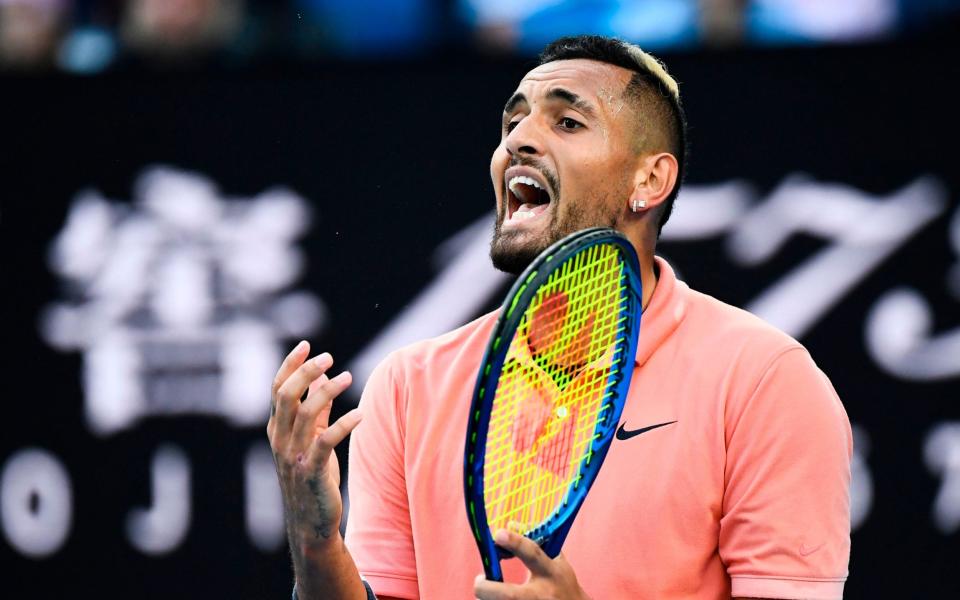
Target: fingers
(323, 416)
(336, 433)
(532, 556)
(290, 363)
(548, 578)
(484, 589)
(290, 391)
(315, 410)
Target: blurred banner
(93, 36)
(166, 239)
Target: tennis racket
(551, 390)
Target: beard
(513, 250)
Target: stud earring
(637, 204)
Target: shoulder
(466, 342)
(721, 327)
(431, 371)
(746, 352)
(438, 372)
(766, 370)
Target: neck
(637, 230)
(648, 276)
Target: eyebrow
(573, 100)
(514, 101)
(561, 94)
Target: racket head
(550, 390)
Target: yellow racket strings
(553, 389)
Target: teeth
(524, 180)
(525, 211)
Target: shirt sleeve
(378, 527)
(785, 529)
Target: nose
(524, 140)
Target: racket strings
(546, 479)
(588, 279)
(561, 369)
(551, 428)
(548, 492)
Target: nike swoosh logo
(623, 434)
(804, 551)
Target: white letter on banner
(35, 502)
(900, 334)
(866, 231)
(160, 528)
(264, 503)
(861, 484)
(942, 453)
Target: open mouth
(527, 198)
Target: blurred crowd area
(90, 36)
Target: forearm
(325, 569)
(303, 440)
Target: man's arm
(785, 527)
(302, 441)
(326, 571)
(380, 528)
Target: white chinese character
(179, 300)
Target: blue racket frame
(550, 534)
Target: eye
(511, 125)
(570, 124)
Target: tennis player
(729, 475)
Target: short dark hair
(650, 83)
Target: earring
(637, 204)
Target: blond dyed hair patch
(655, 67)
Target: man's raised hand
(302, 440)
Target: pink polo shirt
(744, 493)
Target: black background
(394, 159)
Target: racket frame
(550, 534)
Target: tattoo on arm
(322, 529)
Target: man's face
(565, 161)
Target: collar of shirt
(664, 312)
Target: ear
(655, 178)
